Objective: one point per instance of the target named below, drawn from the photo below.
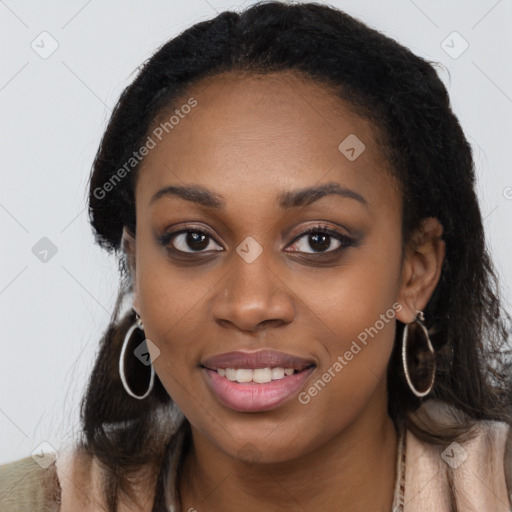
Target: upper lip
(260, 359)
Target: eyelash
(345, 241)
(326, 230)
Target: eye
(193, 240)
(190, 240)
(320, 238)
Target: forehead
(254, 134)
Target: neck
(352, 471)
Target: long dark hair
(430, 159)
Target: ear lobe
(421, 268)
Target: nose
(253, 296)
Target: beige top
(477, 474)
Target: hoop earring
(136, 325)
(431, 355)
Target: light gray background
(53, 113)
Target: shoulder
(27, 486)
(476, 473)
(83, 479)
(80, 482)
(481, 472)
(72, 483)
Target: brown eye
(189, 241)
(320, 240)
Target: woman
(313, 320)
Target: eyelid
(167, 236)
(344, 240)
(320, 228)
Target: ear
(421, 268)
(128, 246)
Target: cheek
(171, 308)
(355, 356)
(353, 297)
(169, 302)
(169, 295)
(356, 310)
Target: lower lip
(250, 397)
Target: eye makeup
(189, 235)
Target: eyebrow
(289, 199)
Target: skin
(249, 139)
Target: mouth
(258, 381)
(260, 362)
(257, 375)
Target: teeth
(230, 373)
(244, 375)
(262, 375)
(258, 375)
(277, 373)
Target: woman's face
(246, 278)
